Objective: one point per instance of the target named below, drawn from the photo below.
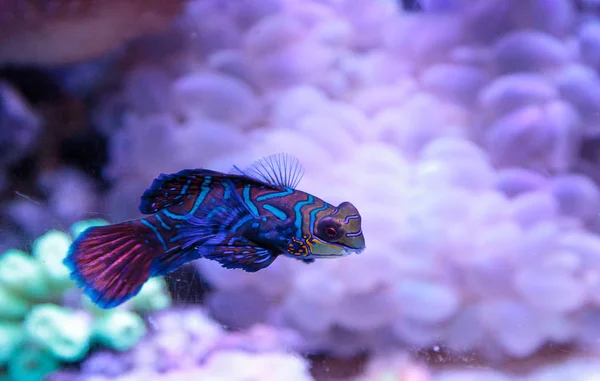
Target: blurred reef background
(467, 132)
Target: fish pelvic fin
(247, 257)
(111, 263)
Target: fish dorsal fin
(173, 189)
(282, 170)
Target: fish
(243, 219)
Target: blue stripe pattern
(297, 208)
(248, 202)
(205, 189)
(215, 211)
(276, 212)
(162, 223)
(240, 222)
(155, 230)
(287, 192)
(227, 190)
(313, 215)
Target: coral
(185, 343)
(399, 367)
(394, 367)
(37, 334)
(458, 132)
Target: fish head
(337, 233)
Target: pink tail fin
(112, 263)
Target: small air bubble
(436, 348)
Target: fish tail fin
(112, 263)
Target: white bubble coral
(459, 157)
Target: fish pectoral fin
(249, 258)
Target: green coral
(37, 334)
(23, 275)
(65, 333)
(119, 329)
(31, 363)
(12, 337)
(13, 305)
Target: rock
(65, 31)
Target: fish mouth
(343, 253)
(354, 250)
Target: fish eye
(329, 230)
